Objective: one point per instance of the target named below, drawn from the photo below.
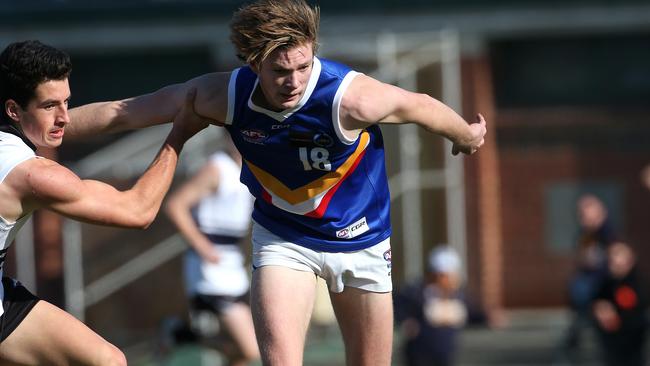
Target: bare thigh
(238, 322)
(366, 322)
(50, 336)
(282, 300)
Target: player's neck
(259, 99)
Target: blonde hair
(260, 28)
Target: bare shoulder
(32, 184)
(366, 101)
(361, 86)
(209, 176)
(47, 181)
(206, 179)
(212, 95)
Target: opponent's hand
(208, 254)
(187, 121)
(476, 138)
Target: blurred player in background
(308, 131)
(212, 211)
(35, 93)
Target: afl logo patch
(343, 233)
(388, 256)
(323, 140)
(254, 136)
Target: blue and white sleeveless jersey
(312, 185)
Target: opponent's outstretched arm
(151, 109)
(368, 101)
(46, 184)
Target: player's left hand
(478, 130)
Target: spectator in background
(433, 311)
(212, 212)
(619, 309)
(595, 235)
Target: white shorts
(228, 277)
(367, 269)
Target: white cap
(444, 259)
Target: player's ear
(11, 109)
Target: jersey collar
(9, 127)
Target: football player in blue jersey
(313, 157)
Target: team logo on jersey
(254, 136)
(353, 230)
(323, 140)
(388, 257)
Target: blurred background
(564, 86)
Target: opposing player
(308, 131)
(35, 93)
(212, 212)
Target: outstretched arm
(151, 109)
(50, 185)
(368, 101)
(180, 203)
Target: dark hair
(25, 65)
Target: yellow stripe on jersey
(312, 189)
